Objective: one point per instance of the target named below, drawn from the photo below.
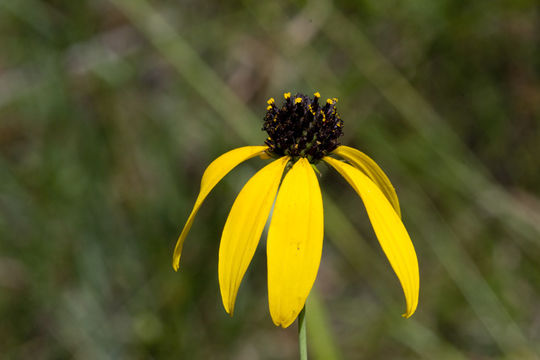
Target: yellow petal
(294, 244)
(212, 175)
(369, 167)
(390, 231)
(244, 227)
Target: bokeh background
(110, 110)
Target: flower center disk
(302, 127)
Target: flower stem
(302, 341)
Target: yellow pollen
(287, 95)
(329, 101)
(335, 100)
(323, 115)
(317, 95)
(270, 101)
(269, 107)
(297, 100)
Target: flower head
(301, 132)
(302, 127)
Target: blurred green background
(111, 110)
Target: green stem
(302, 341)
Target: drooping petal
(390, 231)
(244, 227)
(369, 167)
(295, 240)
(212, 175)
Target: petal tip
(229, 309)
(175, 264)
(228, 304)
(409, 313)
(283, 320)
(282, 323)
(285, 325)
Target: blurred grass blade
(192, 68)
(320, 337)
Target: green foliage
(110, 111)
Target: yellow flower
(301, 134)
